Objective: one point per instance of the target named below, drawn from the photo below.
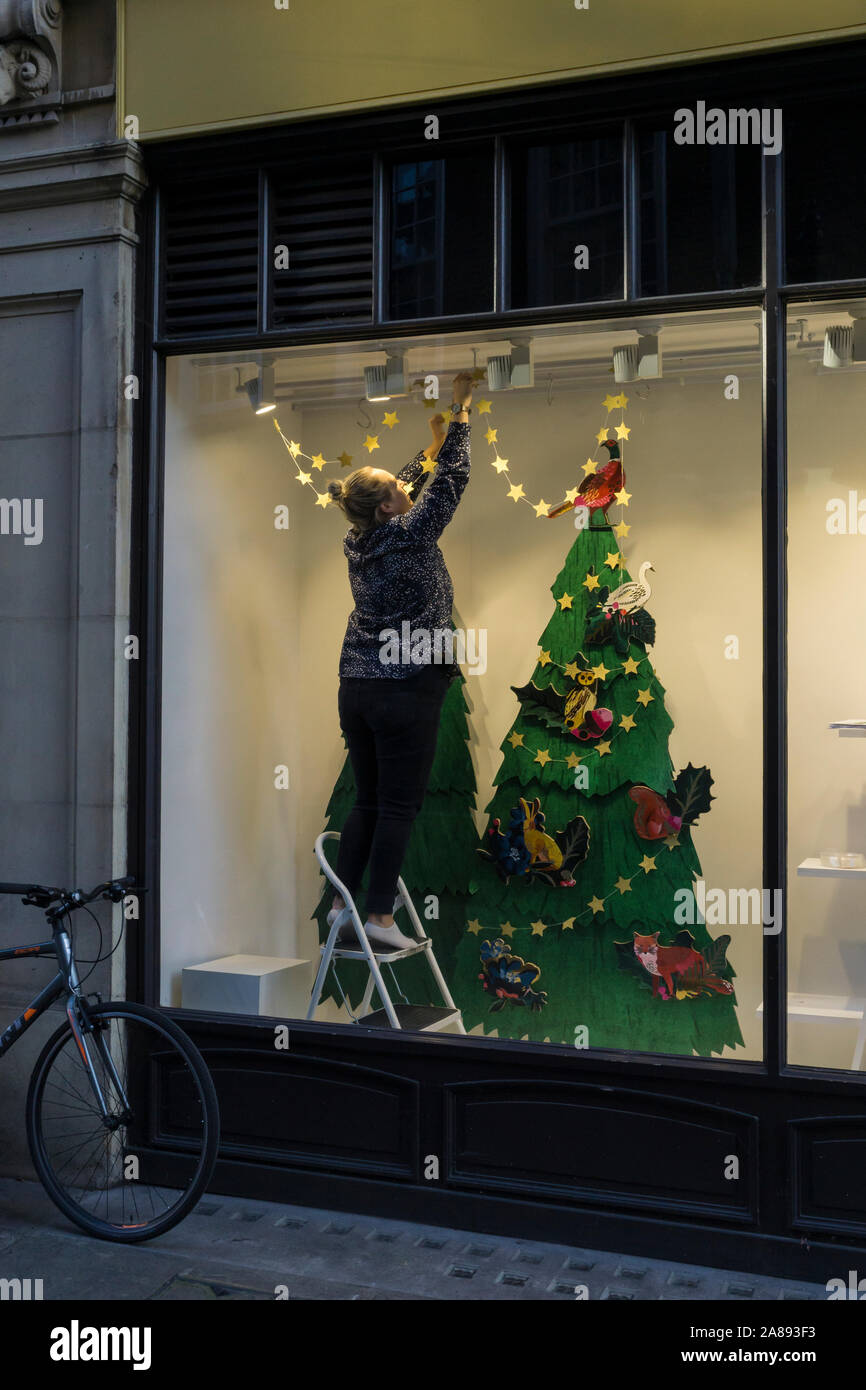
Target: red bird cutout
(653, 819)
(597, 491)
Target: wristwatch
(456, 408)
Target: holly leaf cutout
(692, 786)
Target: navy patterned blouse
(398, 575)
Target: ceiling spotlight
(638, 361)
(838, 345)
(260, 390)
(512, 370)
(385, 379)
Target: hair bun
(335, 490)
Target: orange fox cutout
(663, 962)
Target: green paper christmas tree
(439, 864)
(592, 834)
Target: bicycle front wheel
(134, 1172)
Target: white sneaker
(389, 936)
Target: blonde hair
(358, 496)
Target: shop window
(700, 215)
(567, 222)
(826, 685)
(825, 190)
(441, 236)
(592, 827)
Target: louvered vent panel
(211, 254)
(323, 214)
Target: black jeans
(391, 728)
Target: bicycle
(123, 1069)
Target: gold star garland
(592, 909)
(516, 490)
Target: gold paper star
(391, 419)
(544, 658)
(428, 466)
(515, 492)
(643, 697)
(506, 929)
(624, 885)
(564, 601)
(571, 670)
(538, 928)
(614, 560)
(622, 431)
(571, 495)
(478, 374)
(600, 671)
(322, 499)
(430, 402)
(294, 449)
(648, 863)
(484, 407)
(568, 924)
(475, 926)
(490, 436)
(623, 400)
(630, 666)
(304, 478)
(603, 435)
(627, 723)
(589, 467)
(516, 740)
(621, 530)
(672, 841)
(501, 465)
(541, 508)
(591, 581)
(344, 459)
(596, 905)
(318, 461)
(573, 760)
(542, 757)
(371, 443)
(611, 402)
(603, 747)
(622, 497)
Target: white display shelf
(850, 728)
(831, 1008)
(813, 868)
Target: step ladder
(420, 1018)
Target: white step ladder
(420, 1018)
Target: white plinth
(272, 986)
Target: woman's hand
(439, 427)
(461, 390)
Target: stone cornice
(73, 175)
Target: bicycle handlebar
(39, 895)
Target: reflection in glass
(441, 236)
(564, 196)
(700, 215)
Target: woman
(389, 710)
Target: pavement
(239, 1248)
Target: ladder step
(419, 1018)
(380, 950)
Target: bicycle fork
(83, 1032)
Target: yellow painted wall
(201, 65)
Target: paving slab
(236, 1248)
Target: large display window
(588, 860)
(826, 685)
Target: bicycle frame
(64, 982)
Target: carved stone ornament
(30, 49)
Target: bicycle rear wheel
(136, 1172)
